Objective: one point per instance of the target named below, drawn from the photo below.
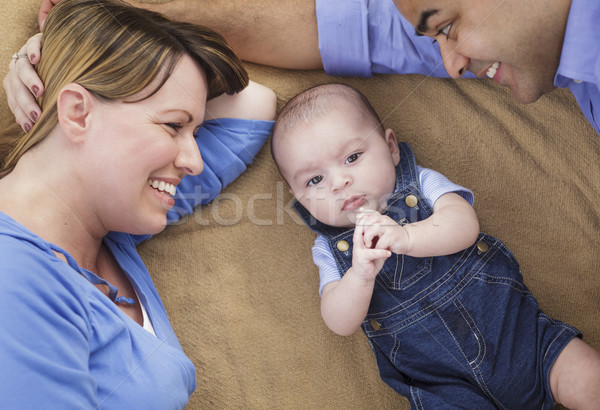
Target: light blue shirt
(365, 37)
(433, 186)
(64, 344)
(579, 67)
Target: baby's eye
(352, 158)
(314, 180)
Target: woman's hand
(45, 8)
(22, 84)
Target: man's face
(515, 42)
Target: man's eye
(315, 180)
(445, 30)
(352, 158)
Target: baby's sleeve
(328, 271)
(434, 185)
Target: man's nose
(456, 64)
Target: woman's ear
(392, 142)
(73, 107)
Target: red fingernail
(27, 127)
(35, 90)
(34, 116)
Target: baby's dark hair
(317, 101)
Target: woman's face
(139, 152)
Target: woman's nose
(189, 157)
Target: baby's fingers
(375, 254)
(358, 238)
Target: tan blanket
(237, 277)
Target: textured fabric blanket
(237, 276)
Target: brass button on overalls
(482, 246)
(411, 201)
(342, 246)
(375, 324)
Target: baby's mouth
(163, 186)
(353, 202)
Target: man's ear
(392, 142)
(73, 107)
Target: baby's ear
(73, 107)
(392, 142)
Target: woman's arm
(255, 102)
(235, 129)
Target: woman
(125, 95)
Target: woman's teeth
(491, 72)
(163, 186)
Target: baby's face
(338, 164)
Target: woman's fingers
(20, 116)
(33, 48)
(22, 84)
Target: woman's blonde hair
(115, 50)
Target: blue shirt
(65, 344)
(579, 67)
(365, 37)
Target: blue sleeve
(227, 146)
(44, 349)
(365, 37)
(434, 185)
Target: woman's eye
(173, 125)
(352, 158)
(315, 180)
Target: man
(529, 46)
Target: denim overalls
(456, 331)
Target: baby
(400, 255)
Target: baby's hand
(382, 232)
(367, 261)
